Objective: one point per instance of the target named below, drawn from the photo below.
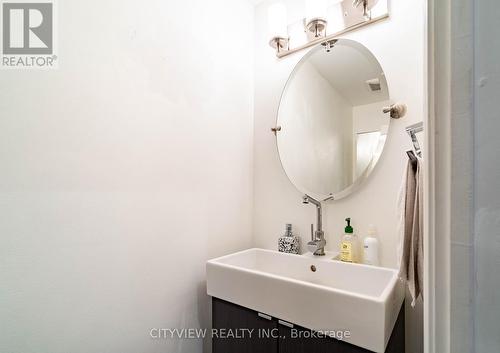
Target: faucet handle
(313, 237)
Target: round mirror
(333, 129)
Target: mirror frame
(356, 185)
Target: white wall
(459, 182)
(313, 149)
(398, 44)
(122, 172)
(369, 117)
(487, 178)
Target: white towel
(410, 214)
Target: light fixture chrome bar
(283, 53)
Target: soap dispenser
(349, 244)
(289, 242)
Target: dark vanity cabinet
(241, 330)
(248, 324)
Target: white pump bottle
(370, 247)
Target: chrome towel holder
(413, 130)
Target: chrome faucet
(318, 242)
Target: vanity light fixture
(315, 22)
(278, 27)
(366, 5)
(348, 15)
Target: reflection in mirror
(333, 129)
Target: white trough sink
(364, 300)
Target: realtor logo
(28, 34)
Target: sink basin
(364, 300)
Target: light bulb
(315, 9)
(277, 20)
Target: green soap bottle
(349, 244)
